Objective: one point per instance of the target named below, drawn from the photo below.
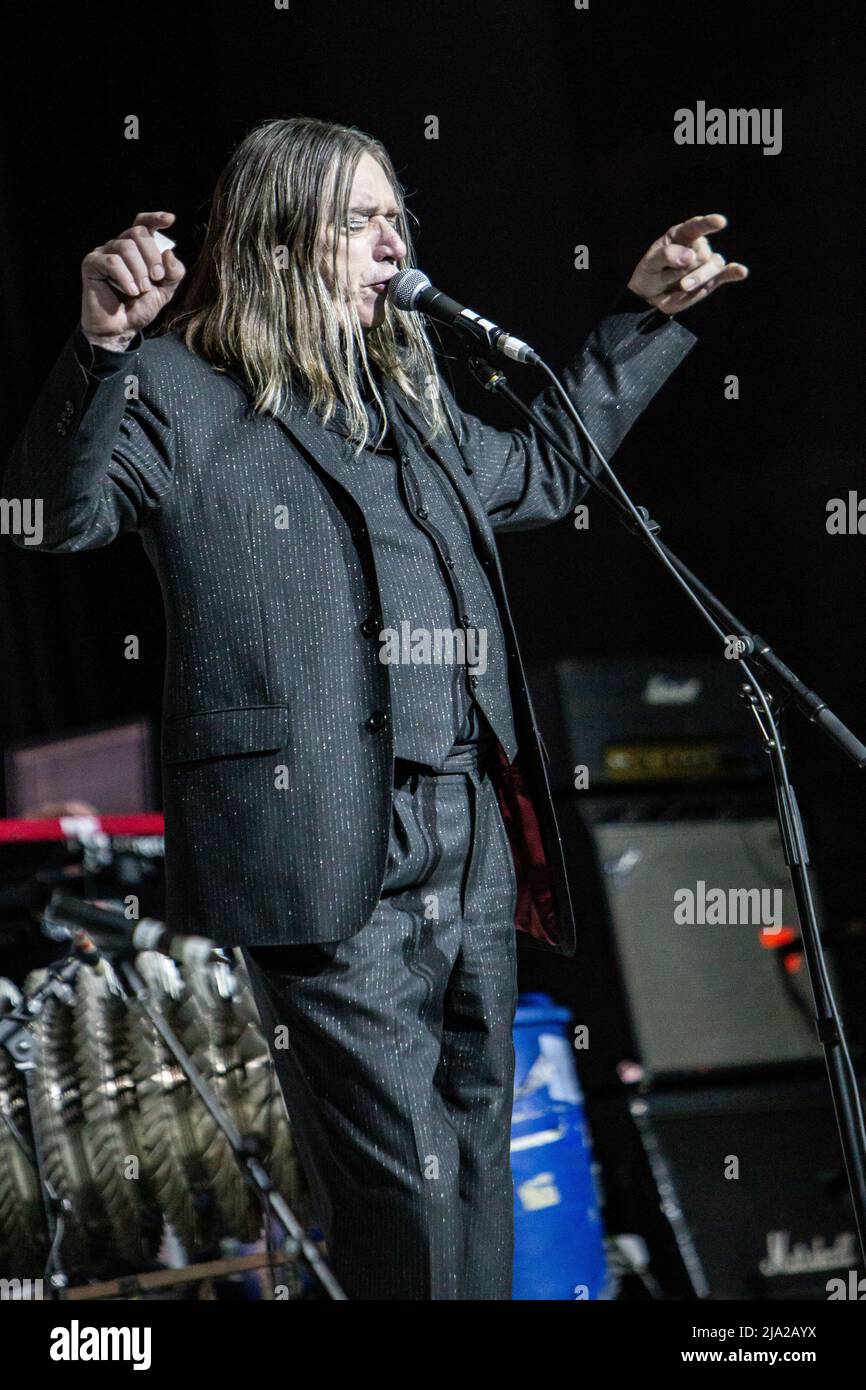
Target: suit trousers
(394, 1051)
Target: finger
(108, 265)
(677, 301)
(705, 272)
(702, 249)
(154, 221)
(694, 227)
(674, 254)
(127, 247)
(678, 260)
(731, 275)
(150, 252)
(666, 254)
(157, 220)
(175, 269)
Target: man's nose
(390, 242)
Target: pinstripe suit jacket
(276, 743)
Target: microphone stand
(739, 643)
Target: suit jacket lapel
(304, 427)
(448, 456)
(306, 430)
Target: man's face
(370, 247)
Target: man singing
(369, 827)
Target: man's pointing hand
(681, 268)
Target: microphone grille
(405, 286)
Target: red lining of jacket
(535, 913)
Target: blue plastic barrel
(559, 1248)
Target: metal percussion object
(127, 1143)
(112, 1113)
(21, 1213)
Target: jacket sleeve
(524, 482)
(94, 457)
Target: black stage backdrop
(555, 129)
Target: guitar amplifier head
(640, 722)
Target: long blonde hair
(257, 300)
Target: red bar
(12, 831)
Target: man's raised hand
(681, 268)
(126, 282)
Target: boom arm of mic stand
(760, 651)
(811, 704)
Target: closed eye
(359, 218)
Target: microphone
(412, 290)
(115, 934)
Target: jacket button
(370, 627)
(378, 719)
(422, 512)
(473, 681)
